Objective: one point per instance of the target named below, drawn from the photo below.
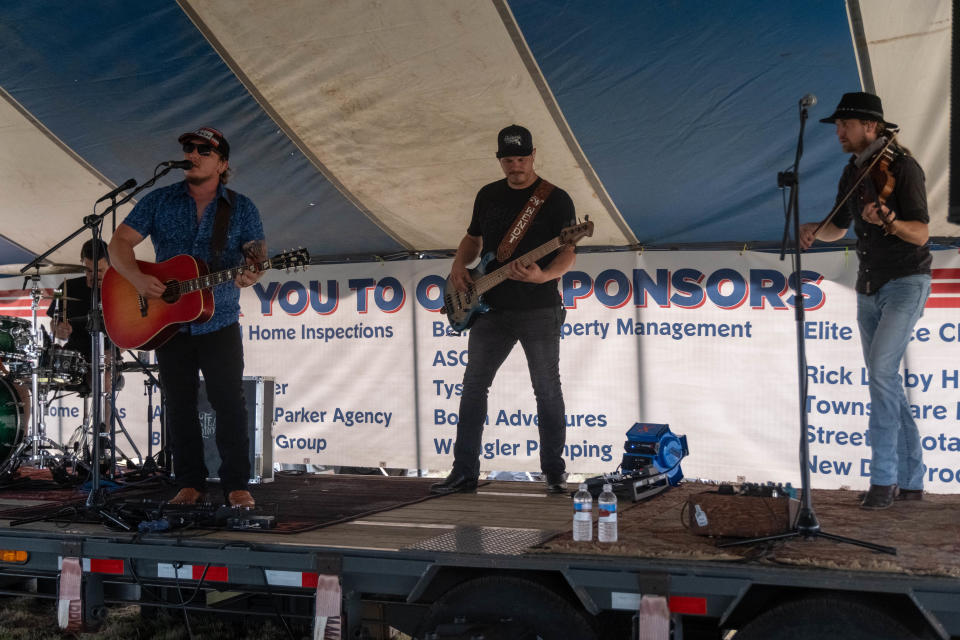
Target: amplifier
(258, 394)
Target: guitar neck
(490, 280)
(219, 277)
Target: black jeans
(491, 340)
(219, 355)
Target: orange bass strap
(521, 225)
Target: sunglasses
(202, 149)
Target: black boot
(454, 483)
(880, 496)
(556, 483)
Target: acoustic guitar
(133, 322)
(462, 308)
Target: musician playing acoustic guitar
(202, 218)
(893, 282)
(526, 308)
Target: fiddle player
(893, 282)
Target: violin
(881, 181)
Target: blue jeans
(491, 340)
(886, 322)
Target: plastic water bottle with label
(607, 523)
(582, 514)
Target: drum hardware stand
(150, 383)
(115, 421)
(807, 524)
(36, 440)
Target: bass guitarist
(202, 218)
(511, 217)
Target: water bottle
(582, 514)
(607, 524)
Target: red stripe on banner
(17, 302)
(104, 565)
(945, 287)
(945, 274)
(309, 580)
(943, 303)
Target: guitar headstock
(576, 233)
(291, 259)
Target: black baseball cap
(514, 141)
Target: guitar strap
(524, 219)
(221, 224)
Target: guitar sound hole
(170, 295)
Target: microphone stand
(806, 524)
(96, 499)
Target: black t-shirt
(75, 312)
(494, 210)
(885, 257)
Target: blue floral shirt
(169, 216)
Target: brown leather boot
(910, 494)
(880, 496)
(187, 495)
(241, 498)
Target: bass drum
(14, 415)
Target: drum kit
(35, 372)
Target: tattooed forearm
(255, 250)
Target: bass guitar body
(135, 323)
(462, 308)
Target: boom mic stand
(96, 500)
(807, 524)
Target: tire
(504, 607)
(823, 617)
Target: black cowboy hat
(861, 106)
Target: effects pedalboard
(635, 485)
(156, 516)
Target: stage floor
(519, 518)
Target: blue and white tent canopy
(363, 127)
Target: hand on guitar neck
(526, 273)
(254, 253)
(516, 270)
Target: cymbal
(44, 269)
(58, 295)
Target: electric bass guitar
(133, 322)
(462, 308)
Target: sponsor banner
(368, 372)
(340, 342)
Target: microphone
(808, 100)
(178, 164)
(129, 184)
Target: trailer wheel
(504, 607)
(826, 617)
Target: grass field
(26, 618)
